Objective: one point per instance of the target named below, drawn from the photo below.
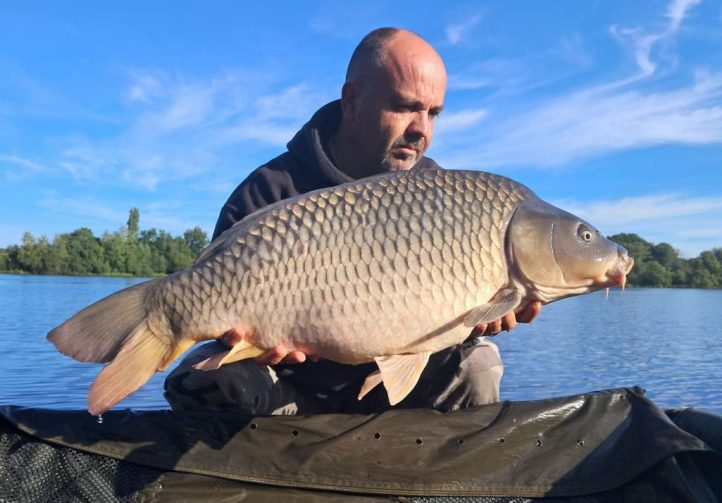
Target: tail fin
(114, 328)
(96, 333)
(140, 357)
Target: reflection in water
(666, 341)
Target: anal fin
(399, 373)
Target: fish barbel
(389, 269)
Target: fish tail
(141, 356)
(115, 329)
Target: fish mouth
(617, 275)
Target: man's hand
(523, 314)
(272, 356)
(279, 354)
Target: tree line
(131, 251)
(660, 265)
(128, 251)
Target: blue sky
(610, 109)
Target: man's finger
(508, 322)
(295, 357)
(494, 327)
(280, 353)
(529, 312)
(478, 330)
(273, 356)
(232, 337)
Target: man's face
(397, 111)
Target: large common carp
(388, 269)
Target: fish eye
(585, 233)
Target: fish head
(556, 254)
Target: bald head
(385, 50)
(394, 89)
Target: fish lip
(617, 275)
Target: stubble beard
(399, 162)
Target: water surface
(666, 341)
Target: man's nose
(420, 127)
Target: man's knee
(243, 387)
(475, 380)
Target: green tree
(85, 253)
(713, 266)
(717, 253)
(196, 239)
(654, 274)
(4, 260)
(665, 254)
(680, 273)
(12, 260)
(28, 257)
(699, 276)
(179, 255)
(61, 255)
(138, 260)
(133, 223)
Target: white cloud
(87, 207)
(295, 102)
(677, 10)
(455, 32)
(178, 128)
(491, 73)
(455, 121)
(144, 88)
(590, 123)
(642, 41)
(20, 168)
(605, 117)
(646, 208)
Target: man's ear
(349, 100)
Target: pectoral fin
(399, 373)
(240, 351)
(505, 301)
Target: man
(392, 96)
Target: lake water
(666, 341)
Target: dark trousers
(462, 376)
